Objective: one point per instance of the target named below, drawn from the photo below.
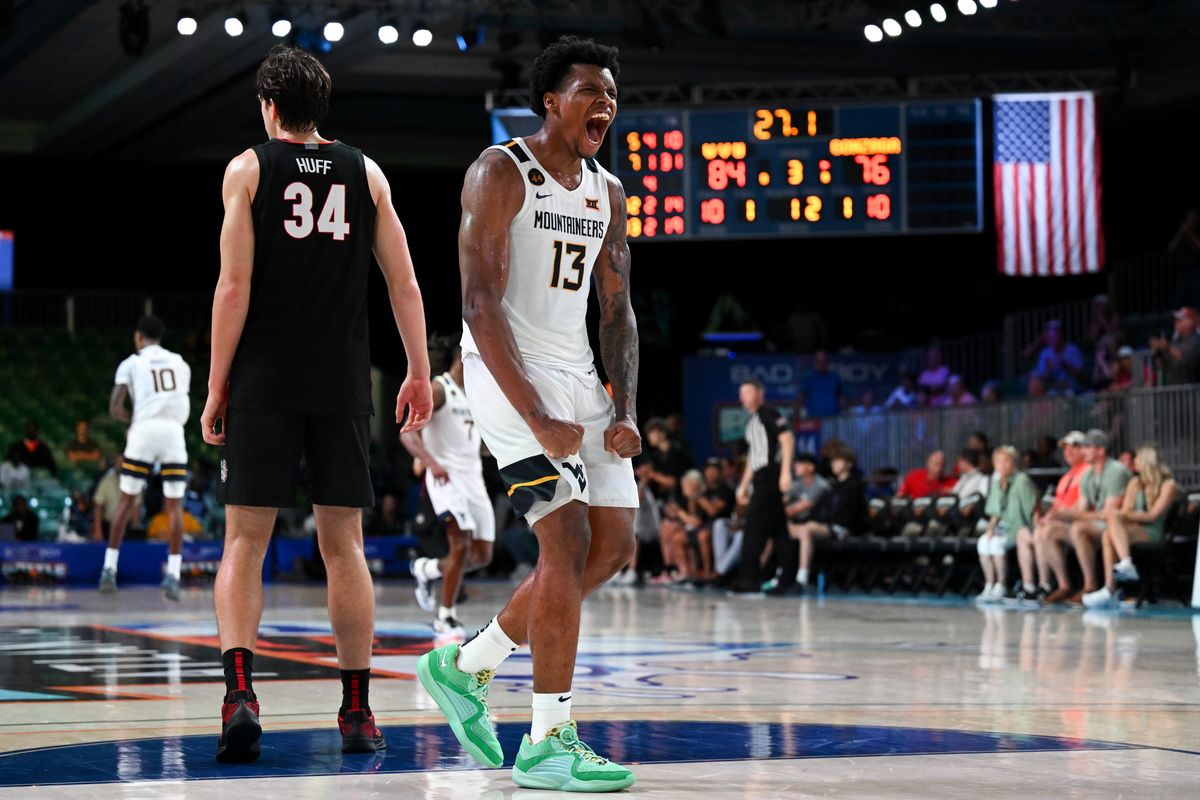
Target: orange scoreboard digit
(791, 169)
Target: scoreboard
(785, 170)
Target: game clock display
(790, 169)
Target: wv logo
(578, 472)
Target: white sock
(111, 555)
(444, 612)
(1045, 587)
(802, 577)
(549, 710)
(431, 569)
(174, 564)
(487, 650)
(1125, 563)
(987, 589)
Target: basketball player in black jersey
(290, 376)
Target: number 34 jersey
(554, 241)
(158, 382)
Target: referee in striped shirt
(766, 479)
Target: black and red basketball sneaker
(240, 728)
(359, 732)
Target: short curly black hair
(297, 84)
(556, 61)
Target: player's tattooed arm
(493, 193)
(618, 328)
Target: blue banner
(715, 420)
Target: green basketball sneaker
(564, 763)
(463, 699)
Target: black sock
(239, 662)
(355, 684)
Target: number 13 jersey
(158, 382)
(554, 241)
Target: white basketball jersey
(451, 436)
(158, 382)
(553, 243)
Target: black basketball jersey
(304, 348)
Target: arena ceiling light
(281, 27)
(235, 24)
(874, 33)
(388, 32)
(938, 12)
(421, 35)
(913, 18)
(967, 7)
(989, 3)
(186, 25)
(334, 31)
(892, 28)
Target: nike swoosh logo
(543, 196)
(564, 698)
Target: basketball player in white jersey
(157, 381)
(542, 220)
(449, 448)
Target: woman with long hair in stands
(1141, 518)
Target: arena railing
(903, 439)
(82, 310)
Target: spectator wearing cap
(841, 516)
(821, 389)
(1101, 490)
(1060, 364)
(1113, 374)
(1179, 358)
(1052, 528)
(1011, 502)
(956, 393)
(935, 375)
(928, 481)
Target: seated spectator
(956, 394)
(1141, 518)
(105, 499)
(23, 520)
(1045, 454)
(647, 521)
(904, 395)
(14, 475)
(683, 518)
(1035, 570)
(1011, 503)
(972, 481)
(843, 516)
(866, 404)
(928, 481)
(1179, 359)
(717, 502)
(805, 500)
(387, 520)
(990, 392)
(1113, 374)
(1128, 459)
(1105, 325)
(1060, 364)
(32, 451)
(981, 444)
(936, 374)
(82, 514)
(82, 452)
(1101, 490)
(665, 463)
(821, 389)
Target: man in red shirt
(1051, 530)
(929, 481)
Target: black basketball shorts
(261, 460)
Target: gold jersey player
(290, 377)
(541, 221)
(449, 449)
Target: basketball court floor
(708, 696)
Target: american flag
(1047, 184)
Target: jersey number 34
(332, 219)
